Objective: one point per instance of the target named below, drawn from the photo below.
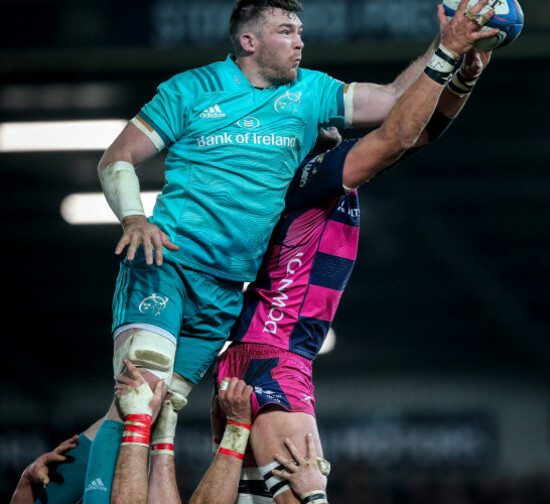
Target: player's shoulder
(200, 80)
(305, 75)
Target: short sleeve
(336, 102)
(166, 114)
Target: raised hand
(134, 394)
(463, 30)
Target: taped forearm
(121, 188)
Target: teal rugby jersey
(232, 152)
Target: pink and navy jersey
(312, 251)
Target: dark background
(444, 326)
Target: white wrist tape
(121, 188)
(136, 401)
(315, 497)
(235, 440)
(164, 431)
(460, 85)
(441, 66)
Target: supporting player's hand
(135, 395)
(139, 231)
(38, 471)
(164, 430)
(234, 400)
(460, 33)
(302, 472)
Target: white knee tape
(148, 350)
(276, 485)
(252, 488)
(179, 390)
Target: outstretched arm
(405, 125)
(372, 103)
(454, 96)
(221, 482)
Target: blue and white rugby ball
(508, 19)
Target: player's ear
(249, 42)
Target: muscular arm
(139, 405)
(131, 146)
(372, 103)
(130, 480)
(399, 132)
(121, 187)
(220, 484)
(405, 126)
(451, 104)
(163, 485)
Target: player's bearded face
(275, 66)
(280, 47)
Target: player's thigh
(211, 310)
(148, 295)
(272, 426)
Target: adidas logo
(97, 484)
(212, 112)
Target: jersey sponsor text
(245, 139)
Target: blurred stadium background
(437, 388)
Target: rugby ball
(508, 19)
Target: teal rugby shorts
(196, 308)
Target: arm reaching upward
(372, 103)
(406, 124)
(220, 483)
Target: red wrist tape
(246, 426)
(230, 453)
(142, 417)
(162, 446)
(137, 429)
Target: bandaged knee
(148, 350)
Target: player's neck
(252, 72)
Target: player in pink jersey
(289, 308)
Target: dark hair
(245, 11)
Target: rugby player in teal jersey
(235, 132)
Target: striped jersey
(310, 258)
(232, 151)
